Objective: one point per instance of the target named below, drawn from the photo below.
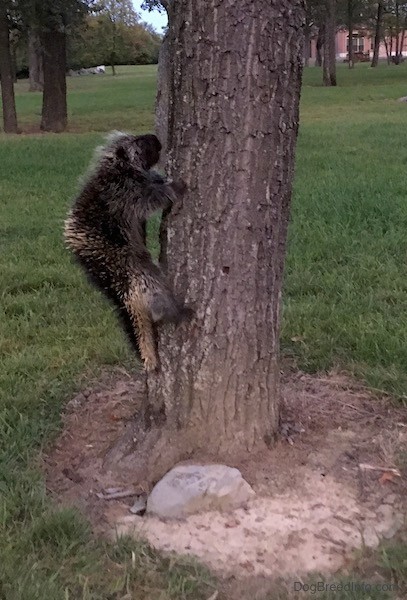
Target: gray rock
(139, 505)
(403, 99)
(189, 489)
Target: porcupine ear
(122, 154)
(116, 140)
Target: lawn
(345, 301)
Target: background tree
(378, 33)
(354, 14)
(323, 15)
(7, 72)
(90, 44)
(35, 62)
(232, 128)
(395, 25)
(315, 27)
(51, 20)
(113, 15)
(329, 49)
(320, 42)
(351, 6)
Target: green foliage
(103, 41)
(51, 14)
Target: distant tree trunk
(350, 34)
(113, 52)
(54, 108)
(388, 54)
(320, 46)
(35, 62)
(13, 54)
(403, 34)
(378, 34)
(232, 131)
(7, 75)
(397, 56)
(307, 44)
(329, 56)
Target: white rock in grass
(189, 489)
(403, 99)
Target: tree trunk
(232, 129)
(403, 35)
(6, 75)
(397, 56)
(320, 45)
(162, 98)
(35, 62)
(387, 51)
(378, 34)
(350, 34)
(54, 108)
(13, 54)
(329, 56)
(307, 44)
(391, 44)
(113, 52)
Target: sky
(156, 19)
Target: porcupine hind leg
(139, 316)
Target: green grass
(346, 278)
(55, 332)
(344, 305)
(99, 102)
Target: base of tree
(148, 448)
(54, 127)
(147, 455)
(36, 87)
(320, 476)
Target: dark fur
(106, 230)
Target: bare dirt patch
(330, 485)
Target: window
(358, 43)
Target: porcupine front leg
(158, 194)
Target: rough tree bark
(7, 75)
(54, 107)
(378, 34)
(35, 62)
(233, 119)
(162, 98)
(329, 50)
